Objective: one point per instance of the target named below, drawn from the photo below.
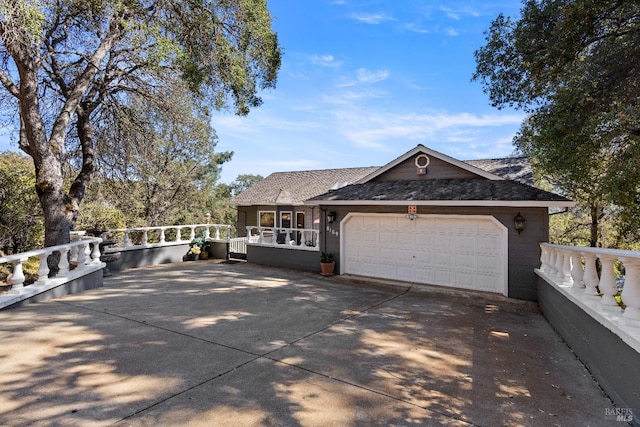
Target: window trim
(260, 219)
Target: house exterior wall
(523, 249)
(248, 216)
(284, 258)
(437, 169)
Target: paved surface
(207, 344)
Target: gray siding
(437, 169)
(284, 258)
(524, 249)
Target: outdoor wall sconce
(411, 216)
(331, 217)
(518, 223)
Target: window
(285, 219)
(267, 218)
(300, 220)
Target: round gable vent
(421, 162)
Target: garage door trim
(505, 236)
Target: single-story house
(423, 218)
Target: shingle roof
(293, 188)
(440, 190)
(515, 168)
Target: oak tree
(62, 62)
(574, 67)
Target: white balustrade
(81, 251)
(222, 232)
(294, 238)
(603, 286)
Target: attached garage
(461, 251)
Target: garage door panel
(462, 252)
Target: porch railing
(144, 237)
(574, 271)
(292, 238)
(77, 259)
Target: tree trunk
(595, 218)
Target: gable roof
(432, 153)
(515, 168)
(293, 188)
(442, 192)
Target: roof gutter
(507, 203)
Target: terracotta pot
(327, 268)
(204, 255)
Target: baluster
(207, 233)
(566, 266)
(162, 236)
(631, 289)
(590, 278)
(145, 237)
(543, 254)
(63, 264)
(43, 270)
(178, 234)
(87, 253)
(217, 236)
(288, 237)
(193, 233)
(126, 238)
(551, 261)
(95, 253)
(82, 256)
(316, 234)
(73, 255)
(558, 262)
(608, 280)
(17, 277)
(577, 273)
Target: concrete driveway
(208, 343)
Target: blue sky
(364, 81)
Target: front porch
(218, 343)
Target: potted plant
(327, 263)
(203, 246)
(194, 253)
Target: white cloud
(451, 32)
(325, 61)
(416, 28)
(378, 130)
(369, 77)
(372, 18)
(365, 77)
(458, 14)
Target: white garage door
(460, 251)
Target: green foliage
(100, 214)
(93, 62)
(573, 67)
(165, 166)
(244, 181)
(21, 222)
(326, 257)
